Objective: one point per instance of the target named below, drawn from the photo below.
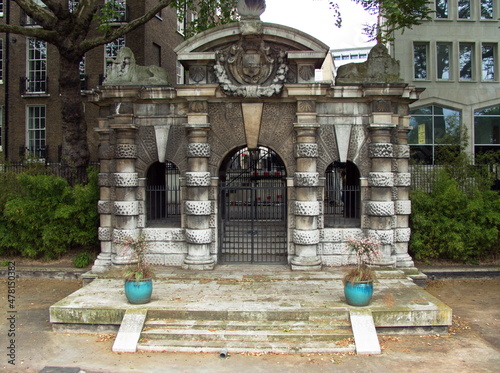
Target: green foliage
(211, 13)
(459, 220)
(393, 15)
(45, 217)
(82, 260)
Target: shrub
(45, 217)
(458, 220)
(82, 260)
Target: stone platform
(252, 309)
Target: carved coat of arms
(251, 69)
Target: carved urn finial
(249, 9)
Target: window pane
(421, 132)
(488, 62)
(36, 130)
(420, 61)
(464, 9)
(441, 8)
(487, 126)
(486, 9)
(446, 126)
(465, 61)
(37, 66)
(443, 60)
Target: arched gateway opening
(252, 207)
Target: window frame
(491, 15)
(449, 66)
(471, 11)
(40, 131)
(494, 47)
(425, 62)
(36, 67)
(446, 9)
(430, 118)
(113, 47)
(471, 59)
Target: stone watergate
(251, 99)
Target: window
(72, 5)
(28, 21)
(181, 21)
(119, 10)
(36, 81)
(488, 53)
(434, 129)
(487, 129)
(180, 73)
(442, 9)
(35, 139)
(420, 60)
(466, 61)
(486, 9)
(1, 8)
(111, 51)
(443, 52)
(83, 76)
(464, 9)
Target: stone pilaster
(125, 181)
(402, 191)
(381, 208)
(198, 181)
(306, 182)
(104, 206)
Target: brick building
(29, 102)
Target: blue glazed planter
(138, 292)
(359, 293)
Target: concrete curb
(59, 273)
(461, 272)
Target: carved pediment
(251, 68)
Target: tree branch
(34, 32)
(122, 30)
(42, 16)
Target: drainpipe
(6, 83)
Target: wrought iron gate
(252, 213)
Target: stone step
(337, 317)
(247, 335)
(244, 325)
(234, 347)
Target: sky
(316, 18)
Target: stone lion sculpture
(125, 71)
(379, 68)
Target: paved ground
(472, 346)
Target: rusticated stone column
(197, 206)
(381, 208)
(306, 182)
(402, 181)
(125, 181)
(104, 206)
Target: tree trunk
(75, 150)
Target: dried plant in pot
(138, 276)
(358, 282)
